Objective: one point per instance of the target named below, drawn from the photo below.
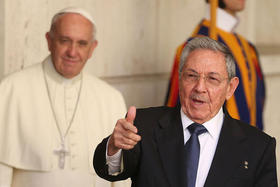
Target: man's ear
(93, 46)
(49, 40)
(233, 83)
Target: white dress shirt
(208, 143)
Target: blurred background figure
(52, 114)
(247, 103)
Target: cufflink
(246, 164)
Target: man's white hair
(75, 10)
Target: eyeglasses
(212, 79)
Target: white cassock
(30, 120)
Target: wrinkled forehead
(205, 60)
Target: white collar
(225, 21)
(213, 126)
(54, 75)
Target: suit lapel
(228, 153)
(170, 142)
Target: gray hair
(74, 10)
(210, 44)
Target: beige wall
(2, 36)
(271, 67)
(268, 24)
(266, 27)
(137, 42)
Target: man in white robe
(52, 115)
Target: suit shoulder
(153, 113)
(253, 132)
(160, 110)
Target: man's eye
(191, 75)
(63, 40)
(83, 43)
(214, 79)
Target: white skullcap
(76, 10)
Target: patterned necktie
(192, 149)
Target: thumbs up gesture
(125, 134)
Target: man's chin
(198, 114)
(69, 75)
(70, 64)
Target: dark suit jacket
(244, 156)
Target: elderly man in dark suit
(197, 144)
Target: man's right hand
(125, 134)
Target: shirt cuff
(114, 162)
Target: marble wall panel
(176, 21)
(26, 25)
(127, 38)
(271, 68)
(247, 21)
(271, 115)
(142, 90)
(2, 36)
(267, 28)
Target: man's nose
(72, 50)
(200, 84)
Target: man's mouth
(70, 61)
(198, 99)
